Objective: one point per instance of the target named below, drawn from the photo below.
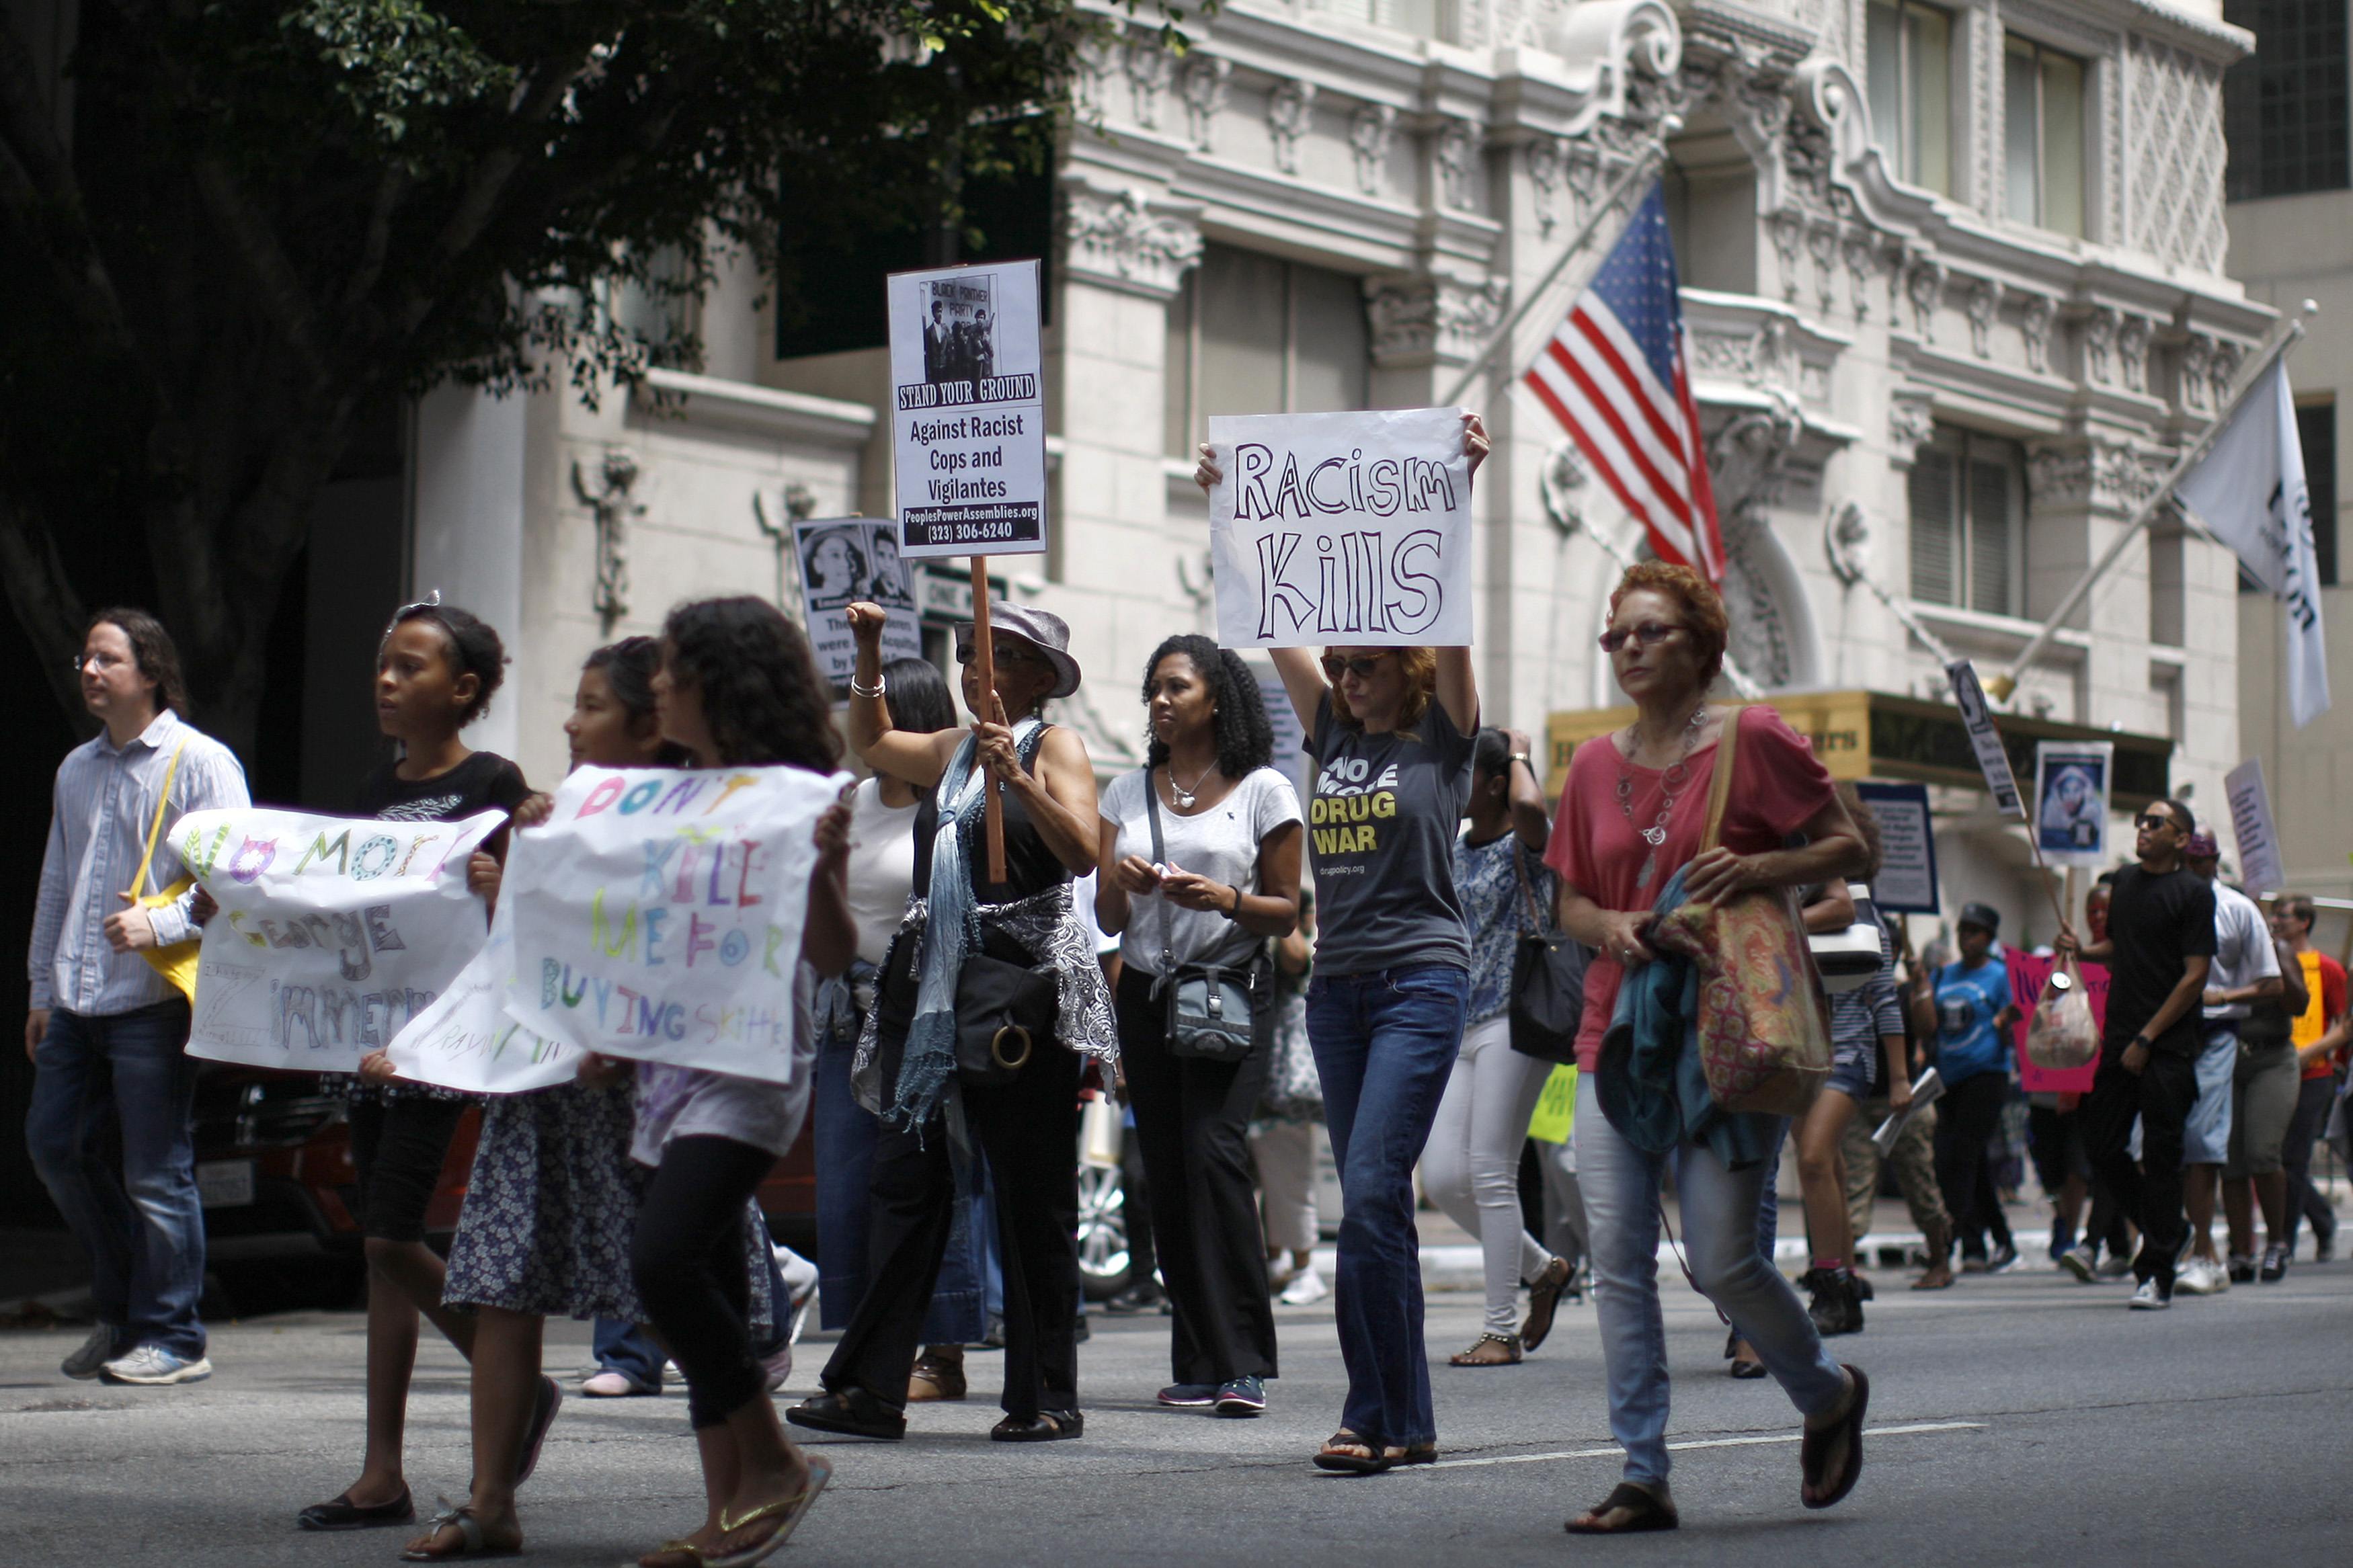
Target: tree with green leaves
(228, 228)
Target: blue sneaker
(1189, 1395)
(1242, 1396)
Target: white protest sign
(844, 559)
(2251, 822)
(466, 1041)
(657, 914)
(1906, 883)
(1984, 739)
(968, 410)
(333, 931)
(2072, 781)
(1346, 528)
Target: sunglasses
(1005, 653)
(1361, 667)
(431, 601)
(1649, 633)
(2148, 820)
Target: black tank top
(1030, 867)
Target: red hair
(1704, 615)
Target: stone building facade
(1955, 277)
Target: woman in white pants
(1472, 1166)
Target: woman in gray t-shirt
(1219, 876)
(1391, 733)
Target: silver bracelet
(875, 690)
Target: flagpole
(2282, 337)
(1646, 165)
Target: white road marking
(1617, 1453)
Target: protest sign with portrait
(333, 931)
(1342, 528)
(2071, 795)
(657, 914)
(844, 559)
(968, 410)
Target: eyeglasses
(99, 662)
(2149, 820)
(1361, 667)
(1649, 633)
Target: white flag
(2250, 493)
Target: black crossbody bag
(1208, 1010)
(1548, 980)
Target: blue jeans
(1385, 1044)
(1722, 1241)
(970, 1290)
(631, 1348)
(142, 1226)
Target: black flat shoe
(852, 1412)
(345, 1514)
(1045, 1426)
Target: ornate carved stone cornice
(1420, 319)
(1117, 237)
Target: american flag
(1615, 376)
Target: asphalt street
(2020, 1419)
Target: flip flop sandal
(1814, 1451)
(471, 1540)
(1543, 1301)
(788, 1512)
(1511, 1342)
(688, 1550)
(543, 1416)
(1643, 1512)
(1372, 1462)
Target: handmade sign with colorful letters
(658, 914)
(466, 1041)
(333, 931)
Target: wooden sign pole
(984, 666)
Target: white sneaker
(2148, 1298)
(1306, 1288)
(2200, 1277)
(2077, 1260)
(153, 1366)
(95, 1352)
(610, 1384)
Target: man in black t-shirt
(2159, 946)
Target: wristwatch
(2143, 1041)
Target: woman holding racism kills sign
(1472, 1168)
(1391, 729)
(1199, 854)
(989, 999)
(1634, 809)
(738, 687)
(436, 672)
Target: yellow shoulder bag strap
(177, 963)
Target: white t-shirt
(881, 867)
(1220, 843)
(2242, 949)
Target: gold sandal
(787, 1511)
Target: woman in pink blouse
(1632, 813)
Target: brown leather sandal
(1479, 1355)
(1543, 1301)
(1644, 1510)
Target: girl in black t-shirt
(435, 673)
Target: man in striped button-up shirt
(106, 1030)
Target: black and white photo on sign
(959, 330)
(1346, 528)
(2071, 795)
(843, 561)
(969, 413)
(1985, 738)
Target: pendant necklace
(1670, 787)
(1185, 798)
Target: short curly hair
(1420, 666)
(761, 693)
(475, 650)
(1245, 736)
(1704, 615)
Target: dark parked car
(274, 1171)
